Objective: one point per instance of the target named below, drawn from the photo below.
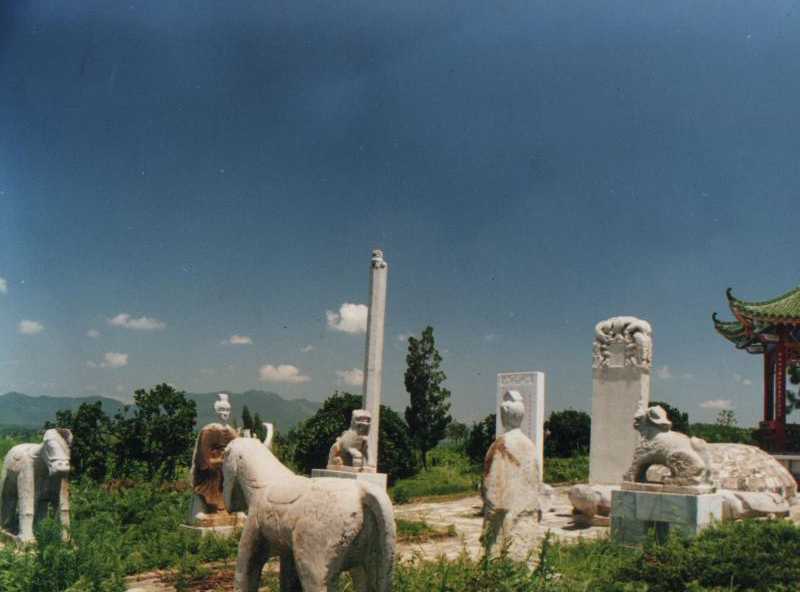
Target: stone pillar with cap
(373, 357)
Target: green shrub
(712, 432)
(566, 433)
(566, 470)
(481, 436)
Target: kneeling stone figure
(349, 452)
(511, 486)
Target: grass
(566, 470)
(449, 473)
(420, 531)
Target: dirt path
(463, 513)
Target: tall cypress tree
(247, 419)
(428, 415)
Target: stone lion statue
(349, 452)
(692, 461)
(34, 477)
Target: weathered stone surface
(531, 386)
(206, 508)
(34, 478)
(511, 486)
(350, 451)
(373, 354)
(696, 464)
(634, 514)
(318, 527)
(620, 385)
(378, 479)
(589, 501)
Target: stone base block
(220, 531)
(634, 514)
(378, 479)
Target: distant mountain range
(21, 410)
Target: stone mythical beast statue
(318, 527)
(34, 477)
(349, 452)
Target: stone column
(620, 386)
(373, 358)
(530, 386)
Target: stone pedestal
(378, 479)
(620, 387)
(634, 514)
(531, 386)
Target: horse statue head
(55, 450)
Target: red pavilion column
(769, 386)
(780, 394)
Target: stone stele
(530, 385)
(620, 386)
(207, 508)
(511, 486)
(34, 477)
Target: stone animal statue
(349, 452)
(510, 486)
(34, 477)
(318, 527)
(736, 467)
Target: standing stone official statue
(207, 508)
(511, 486)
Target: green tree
(258, 426)
(159, 433)
(480, 437)
(247, 419)
(679, 419)
(428, 415)
(91, 439)
(793, 397)
(457, 433)
(311, 441)
(566, 433)
(726, 418)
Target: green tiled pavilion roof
(733, 331)
(784, 309)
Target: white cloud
(403, 337)
(664, 372)
(742, 380)
(3, 286)
(351, 318)
(28, 327)
(237, 340)
(282, 373)
(110, 360)
(489, 337)
(717, 404)
(354, 377)
(747, 382)
(307, 348)
(138, 324)
(93, 333)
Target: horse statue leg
(253, 554)
(288, 577)
(26, 499)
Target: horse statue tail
(269, 434)
(379, 567)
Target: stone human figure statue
(350, 451)
(207, 507)
(34, 477)
(510, 486)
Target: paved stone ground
(463, 513)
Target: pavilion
(772, 328)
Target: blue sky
(217, 169)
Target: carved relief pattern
(622, 342)
(516, 379)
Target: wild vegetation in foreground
(122, 528)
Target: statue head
(360, 421)
(56, 451)
(512, 410)
(651, 421)
(222, 407)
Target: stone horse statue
(34, 477)
(319, 527)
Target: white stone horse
(34, 477)
(319, 527)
